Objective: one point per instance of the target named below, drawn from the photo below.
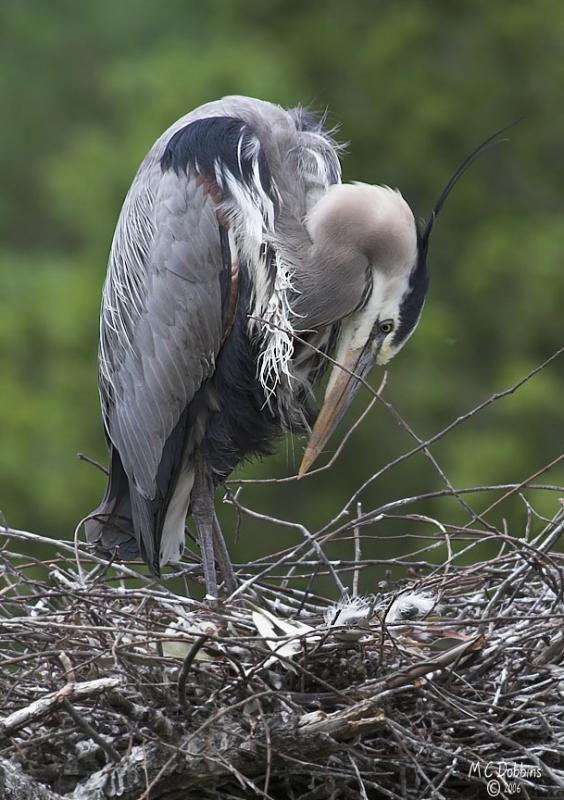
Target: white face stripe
(383, 304)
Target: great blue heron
(235, 236)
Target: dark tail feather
(149, 515)
(146, 521)
(126, 521)
(110, 526)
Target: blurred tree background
(87, 87)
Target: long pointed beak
(341, 390)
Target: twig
(357, 552)
(45, 705)
(93, 462)
(90, 732)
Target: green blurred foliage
(85, 90)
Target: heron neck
(329, 284)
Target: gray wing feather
(161, 324)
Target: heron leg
(212, 543)
(204, 515)
(223, 558)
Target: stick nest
(115, 685)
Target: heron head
(376, 224)
(383, 262)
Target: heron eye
(386, 326)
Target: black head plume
(491, 141)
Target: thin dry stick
(407, 427)
(357, 551)
(90, 732)
(332, 460)
(521, 485)
(316, 547)
(442, 433)
(93, 462)
(422, 445)
(45, 705)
